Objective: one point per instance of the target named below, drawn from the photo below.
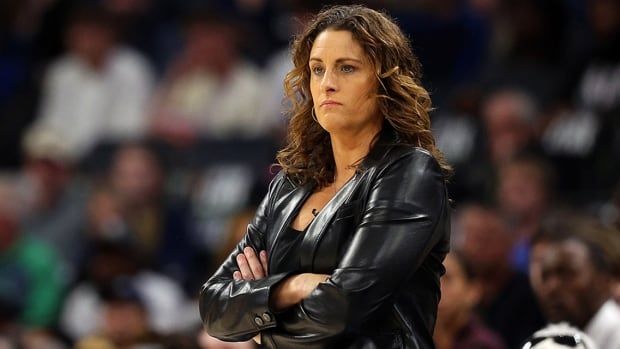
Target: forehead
(336, 44)
(564, 253)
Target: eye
(347, 68)
(317, 70)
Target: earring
(313, 115)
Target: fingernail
(263, 254)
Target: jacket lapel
(317, 227)
(292, 203)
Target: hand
(294, 289)
(250, 266)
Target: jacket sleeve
(397, 232)
(237, 310)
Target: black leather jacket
(382, 238)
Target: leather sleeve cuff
(263, 317)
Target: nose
(329, 82)
(551, 284)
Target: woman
(346, 249)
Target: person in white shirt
(209, 90)
(571, 273)
(98, 90)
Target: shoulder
(64, 70)
(278, 179)
(411, 160)
(277, 182)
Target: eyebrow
(339, 60)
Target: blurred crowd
(136, 138)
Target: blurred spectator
(507, 304)
(510, 118)
(31, 283)
(124, 322)
(98, 90)
(158, 224)
(458, 327)
(571, 273)
(524, 197)
(56, 196)
(209, 90)
(167, 309)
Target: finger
(264, 261)
(237, 276)
(255, 265)
(244, 268)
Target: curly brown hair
(402, 101)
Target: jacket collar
(319, 224)
(388, 138)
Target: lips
(329, 102)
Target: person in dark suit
(346, 249)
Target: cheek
(365, 92)
(314, 89)
(365, 103)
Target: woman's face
(343, 85)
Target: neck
(349, 149)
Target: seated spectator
(124, 322)
(458, 327)
(510, 118)
(571, 275)
(524, 196)
(157, 223)
(209, 90)
(507, 304)
(56, 194)
(31, 279)
(163, 299)
(96, 91)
